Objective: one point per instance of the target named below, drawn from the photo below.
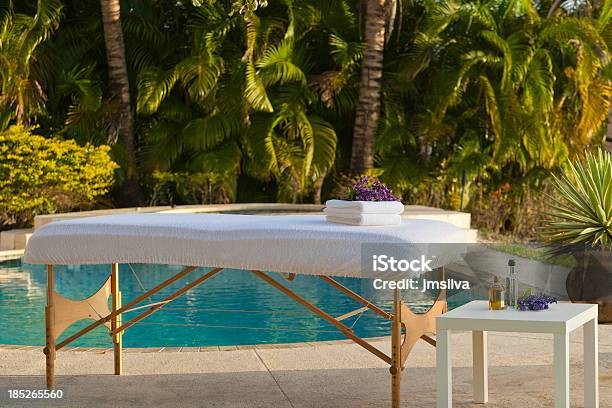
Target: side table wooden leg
(444, 379)
(480, 369)
(561, 370)
(591, 377)
(49, 349)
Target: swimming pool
(232, 308)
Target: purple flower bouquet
(534, 302)
(370, 189)
(369, 203)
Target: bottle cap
(511, 262)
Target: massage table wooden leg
(116, 321)
(419, 324)
(416, 327)
(49, 328)
(61, 312)
(396, 350)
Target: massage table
(289, 245)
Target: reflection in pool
(232, 308)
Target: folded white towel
(366, 219)
(352, 212)
(367, 207)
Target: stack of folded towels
(364, 212)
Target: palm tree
(368, 106)
(239, 90)
(130, 193)
(603, 26)
(498, 78)
(22, 62)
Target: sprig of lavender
(371, 189)
(534, 302)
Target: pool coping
(190, 349)
(11, 254)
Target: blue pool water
(232, 308)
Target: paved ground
(322, 376)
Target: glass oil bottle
(497, 295)
(512, 284)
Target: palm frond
(162, 145)
(154, 85)
(255, 90)
(278, 65)
(324, 146)
(206, 133)
(539, 82)
(199, 75)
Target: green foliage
(518, 76)
(40, 175)
(487, 95)
(209, 96)
(476, 95)
(583, 212)
(21, 94)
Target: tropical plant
(256, 100)
(488, 94)
(582, 209)
(22, 71)
(189, 112)
(520, 71)
(581, 225)
(204, 188)
(40, 175)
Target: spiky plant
(582, 212)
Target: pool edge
(192, 349)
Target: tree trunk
(368, 107)
(129, 192)
(318, 186)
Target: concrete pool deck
(313, 375)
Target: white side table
(559, 320)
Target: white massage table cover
(302, 244)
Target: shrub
(191, 188)
(40, 175)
